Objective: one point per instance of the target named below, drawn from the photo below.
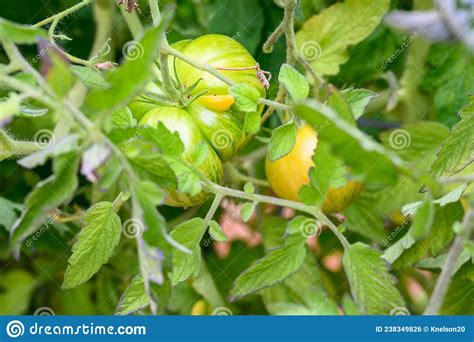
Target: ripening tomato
(211, 118)
(288, 174)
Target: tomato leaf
(324, 38)
(95, 244)
(270, 270)
(90, 77)
(46, 196)
(252, 122)
(423, 220)
(246, 211)
(8, 213)
(20, 34)
(372, 286)
(457, 150)
(358, 99)
(133, 299)
(216, 231)
(245, 96)
(295, 83)
(188, 234)
(282, 141)
(127, 80)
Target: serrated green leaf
(282, 141)
(216, 231)
(362, 218)
(133, 299)
(245, 97)
(324, 38)
(46, 196)
(246, 211)
(20, 34)
(270, 270)
(95, 244)
(188, 234)
(458, 299)
(359, 151)
(372, 286)
(252, 123)
(457, 150)
(295, 83)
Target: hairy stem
(64, 13)
(444, 279)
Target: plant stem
(457, 179)
(155, 12)
(273, 38)
(133, 22)
(274, 104)
(311, 210)
(289, 25)
(444, 279)
(212, 210)
(63, 14)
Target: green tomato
(211, 118)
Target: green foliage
(95, 244)
(282, 141)
(372, 285)
(295, 83)
(246, 97)
(325, 38)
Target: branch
(436, 300)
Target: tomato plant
(236, 157)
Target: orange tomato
(288, 174)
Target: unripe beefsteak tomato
(289, 173)
(211, 118)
